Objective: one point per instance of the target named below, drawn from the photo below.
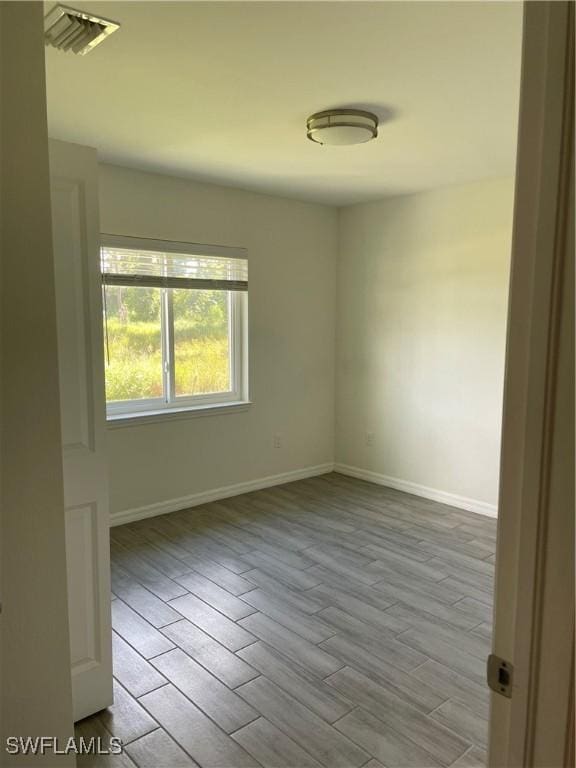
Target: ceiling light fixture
(341, 127)
(70, 30)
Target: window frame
(171, 403)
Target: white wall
(422, 298)
(292, 271)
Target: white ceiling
(220, 91)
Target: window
(174, 325)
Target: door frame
(534, 594)
(35, 689)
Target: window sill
(119, 420)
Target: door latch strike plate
(500, 675)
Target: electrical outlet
(370, 438)
(277, 440)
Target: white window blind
(164, 264)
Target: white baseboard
(195, 499)
(451, 499)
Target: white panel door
(76, 235)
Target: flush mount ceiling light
(340, 127)
(70, 30)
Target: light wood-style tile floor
(327, 622)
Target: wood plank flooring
(327, 623)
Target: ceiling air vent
(70, 30)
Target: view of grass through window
(201, 344)
(134, 363)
